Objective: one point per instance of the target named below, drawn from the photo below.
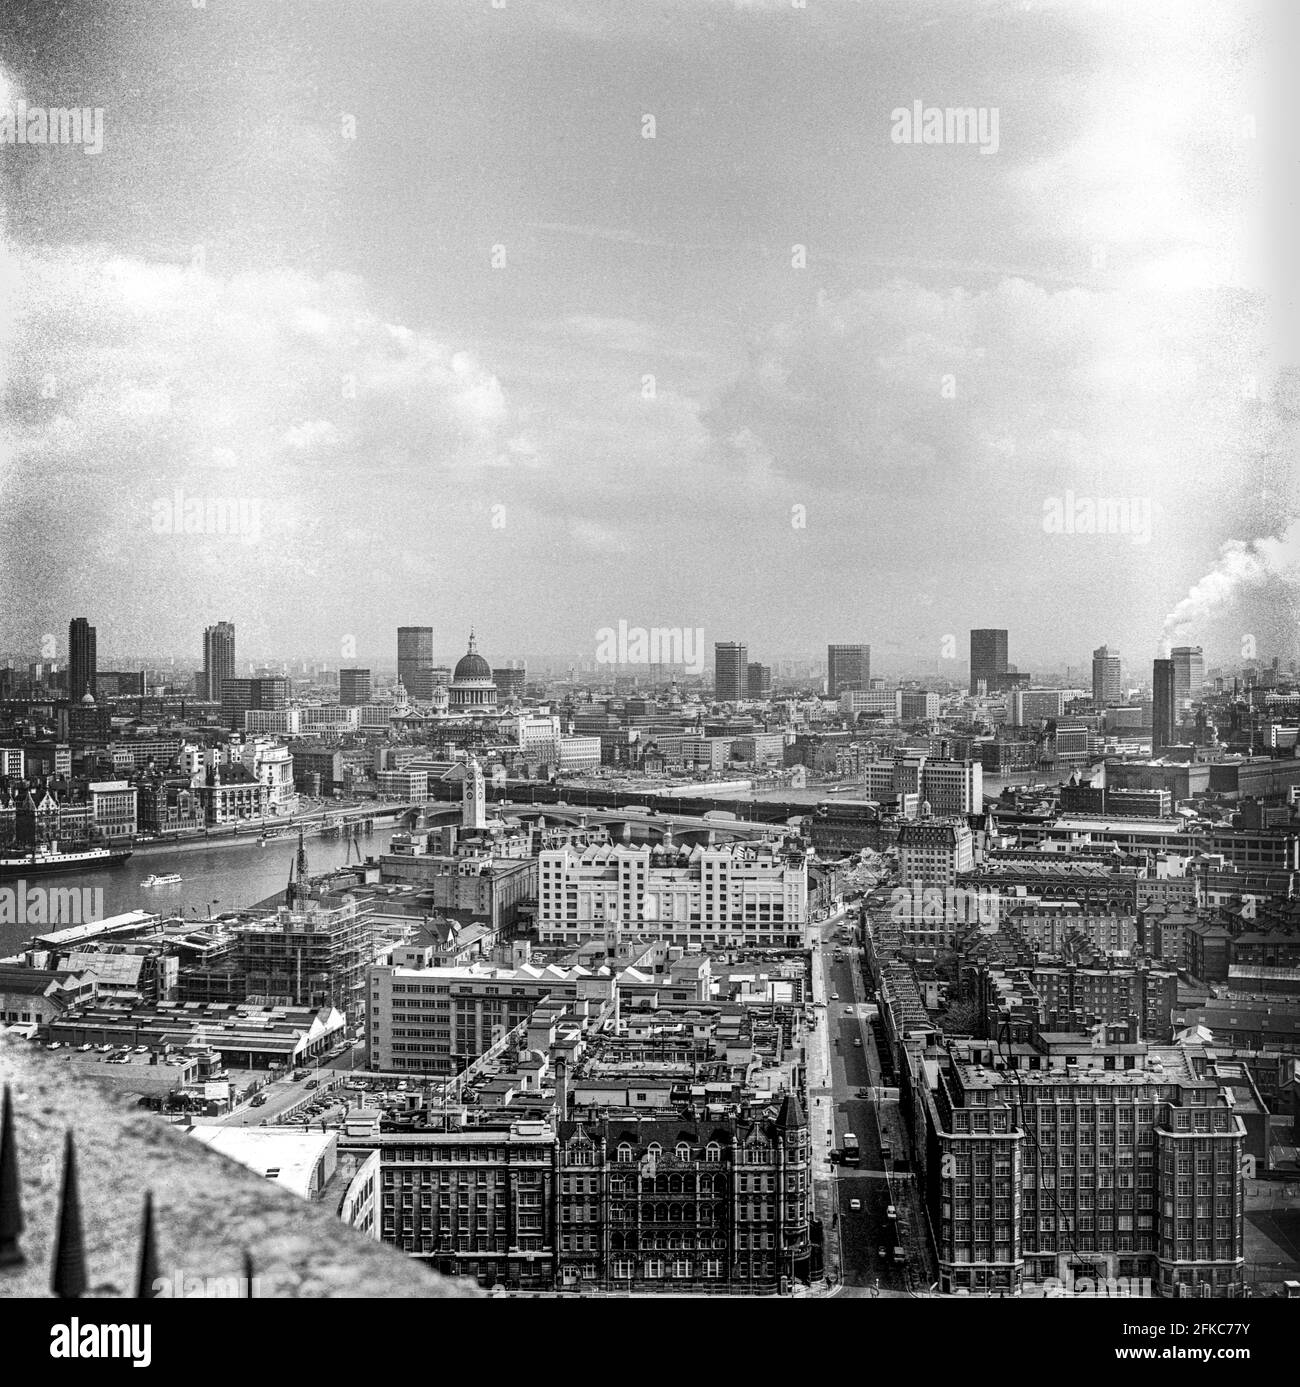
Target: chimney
(561, 1089)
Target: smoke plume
(1242, 565)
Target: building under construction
(311, 950)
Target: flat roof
(292, 1156)
(113, 924)
(1082, 824)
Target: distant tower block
(473, 809)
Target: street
(866, 1235)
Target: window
(683, 1151)
(624, 1152)
(713, 1152)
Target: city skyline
(605, 308)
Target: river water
(213, 879)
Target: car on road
(857, 1040)
(313, 1083)
(258, 1099)
(855, 1203)
(835, 996)
(891, 1212)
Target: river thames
(213, 879)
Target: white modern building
(579, 753)
(752, 894)
(538, 734)
(272, 764)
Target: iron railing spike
(148, 1276)
(68, 1275)
(11, 1195)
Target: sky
(542, 317)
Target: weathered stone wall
(208, 1210)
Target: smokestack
(562, 1089)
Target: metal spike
(148, 1273)
(248, 1275)
(11, 1202)
(68, 1275)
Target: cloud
(128, 379)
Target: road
(866, 1235)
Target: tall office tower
(988, 658)
(758, 681)
(1164, 708)
(415, 661)
(81, 659)
(218, 659)
(1105, 677)
(266, 693)
(730, 661)
(354, 687)
(510, 680)
(847, 667)
(1189, 674)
